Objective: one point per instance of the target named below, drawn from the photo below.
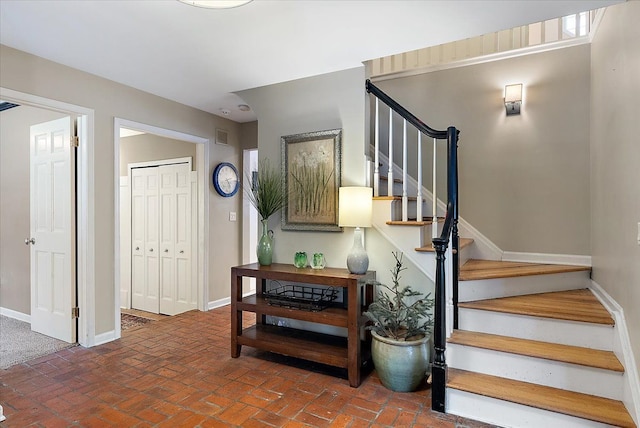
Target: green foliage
(310, 191)
(267, 195)
(394, 316)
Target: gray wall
(15, 279)
(334, 100)
(524, 180)
(27, 73)
(149, 147)
(615, 160)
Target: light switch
(232, 216)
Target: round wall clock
(225, 179)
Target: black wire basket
(301, 297)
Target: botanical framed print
(311, 178)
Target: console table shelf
(346, 352)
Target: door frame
(85, 205)
(201, 161)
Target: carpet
(131, 321)
(19, 344)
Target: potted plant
(268, 196)
(401, 328)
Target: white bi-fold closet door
(162, 228)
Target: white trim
(499, 56)
(552, 259)
(623, 351)
(226, 301)
(172, 161)
(218, 303)
(15, 315)
(85, 249)
(202, 162)
(106, 337)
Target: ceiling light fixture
(243, 107)
(216, 4)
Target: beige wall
(615, 160)
(15, 282)
(26, 73)
(524, 180)
(334, 100)
(149, 147)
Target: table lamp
(355, 205)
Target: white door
(176, 285)
(52, 240)
(144, 240)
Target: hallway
(178, 372)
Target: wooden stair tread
(393, 198)
(487, 269)
(464, 242)
(386, 178)
(550, 351)
(409, 223)
(598, 409)
(574, 305)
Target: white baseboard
(624, 352)
(15, 315)
(553, 259)
(103, 338)
(219, 303)
(226, 301)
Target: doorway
(85, 231)
(122, 248)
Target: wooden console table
(350, 353)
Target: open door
(52, 240)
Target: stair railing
(446, 273)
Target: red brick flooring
(178, 372)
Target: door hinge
(75, 312)
(75, 141)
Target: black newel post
(439, 370)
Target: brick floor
(178, 372)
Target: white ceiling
(199, 57)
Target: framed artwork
(311, 180)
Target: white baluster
(390, 171)
(419, 195)
(434, 209)
(405, 199)
(376, 168)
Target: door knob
(137, 248)
(166, 251)
(151, 250)
(181, 252)
(31, 241)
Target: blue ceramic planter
(401, 366)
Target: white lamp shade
(355, 206)
(513, 93)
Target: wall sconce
(513, 98)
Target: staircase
(534, 345)
(527, 344)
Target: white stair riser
(571, 377)
(507, 414)
(595, 336)
(516, 286)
